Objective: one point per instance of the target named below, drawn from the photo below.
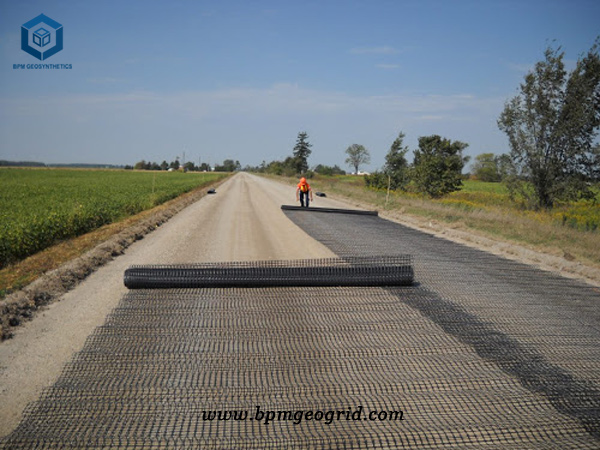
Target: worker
(302, 193)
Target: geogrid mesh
(354, 271)
(538, 327)
(165, 358)
(483, 353)
(314, 209)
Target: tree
(552, 125)
(437, 166)
(328, 170)
(504, 165)
(229, 165)
(357, 155)
(485, 167)
(396, 165)
(164, 165)
(301, 152)
(395, 173)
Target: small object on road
(211, 191)
(320, 194)
(302, 192)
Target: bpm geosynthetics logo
(42, 37)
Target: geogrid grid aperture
(484, 353)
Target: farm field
(39, 207)
(570, 229)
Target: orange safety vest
(304, 187)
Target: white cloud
(248, 124)
(280, 100)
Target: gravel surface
(242, 221)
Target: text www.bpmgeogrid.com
(299, 416)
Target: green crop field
(39, 207)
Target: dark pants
(303, 199)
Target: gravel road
(480, 352)
(242, 222)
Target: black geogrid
(392, 270)
(483, 353)
(538, 327)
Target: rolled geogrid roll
(359, 271)
(361, 212)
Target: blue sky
(240, 79)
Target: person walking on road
(302, 193)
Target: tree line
(297, 163)
(552, 127)
(229, 165)
(436, 169)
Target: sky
(240, 79)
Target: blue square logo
(42, 37)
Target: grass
(18, 274)
(570, 229)
(40, 207)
